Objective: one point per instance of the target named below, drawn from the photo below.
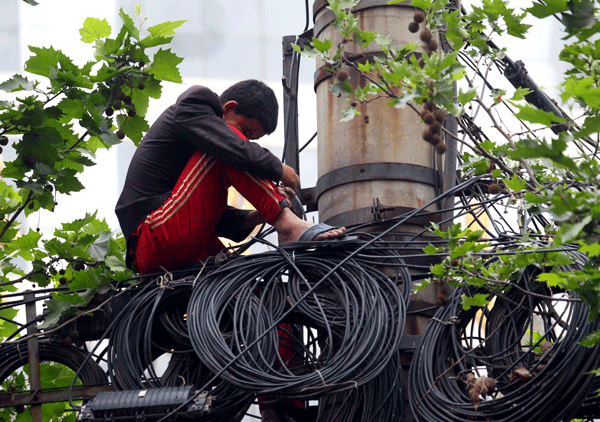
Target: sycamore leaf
(550, 7)
(432, 250)
(17, 83)
(322, 46)
(571, 231)
(534, 115)
(516, 184)
(164, 66)
(590, 250)
(591, 340)
(551, 279)
(166, 28)
(478, 300)
(94, 29)
(129, 25)
(465, 96)
(581, 16)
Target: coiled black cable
(503, 341)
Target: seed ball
(62, 272)
(440, 116)
(427, 136)
(62, 281)
(145, 74)
(494, 188)
(353, 103)
(19, 408)
(109, 111)
(366, 119)
(31, 160)
(429, 106)
(127, 99)
(435, 127)
(131, 113)
(426, 35)
(31, 205)
(117, 105)
(432, 45)
(421, 62)
(141, 63)
(342, 75)
(121, 96)
(120, 134)
(413, 27)
(79, 266)
(141, 86)
(440, 148)
(68, 341)
(3, 140)
(74, 334)
(454, 262)
(428, 118)
(428, 52)
(419, 17)
(436, 139)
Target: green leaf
(516, 184)
(134, 127)
(432, 250)
(94, 29)
(520, 94)
(571, 231)
(322, 46)
(535, 115)
(164, 66)
(17, 83)
(591, 340)
(87, 279)
(551, 279)
(465, 97)
(165, 29)
(590, 250)
(349, 114)
(582, 14)
(129, 25)
(550, 7)
(478, 300)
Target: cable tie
(453, 320)
(198, 275)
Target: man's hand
(290, 179)
(287, 193)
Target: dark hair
(255, 101)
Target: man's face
(250, 127)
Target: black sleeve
(198, 121)
(230, 224)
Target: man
(174, 207)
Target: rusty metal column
(378, 161)
(33, 350)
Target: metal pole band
(377, 171)
(366, 215)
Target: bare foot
(289, 228)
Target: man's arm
(198, 120)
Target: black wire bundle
(15, 355)
(526, 339)
(352, 316)
(155, 324)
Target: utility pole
(377, 165)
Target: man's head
(253, 100)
